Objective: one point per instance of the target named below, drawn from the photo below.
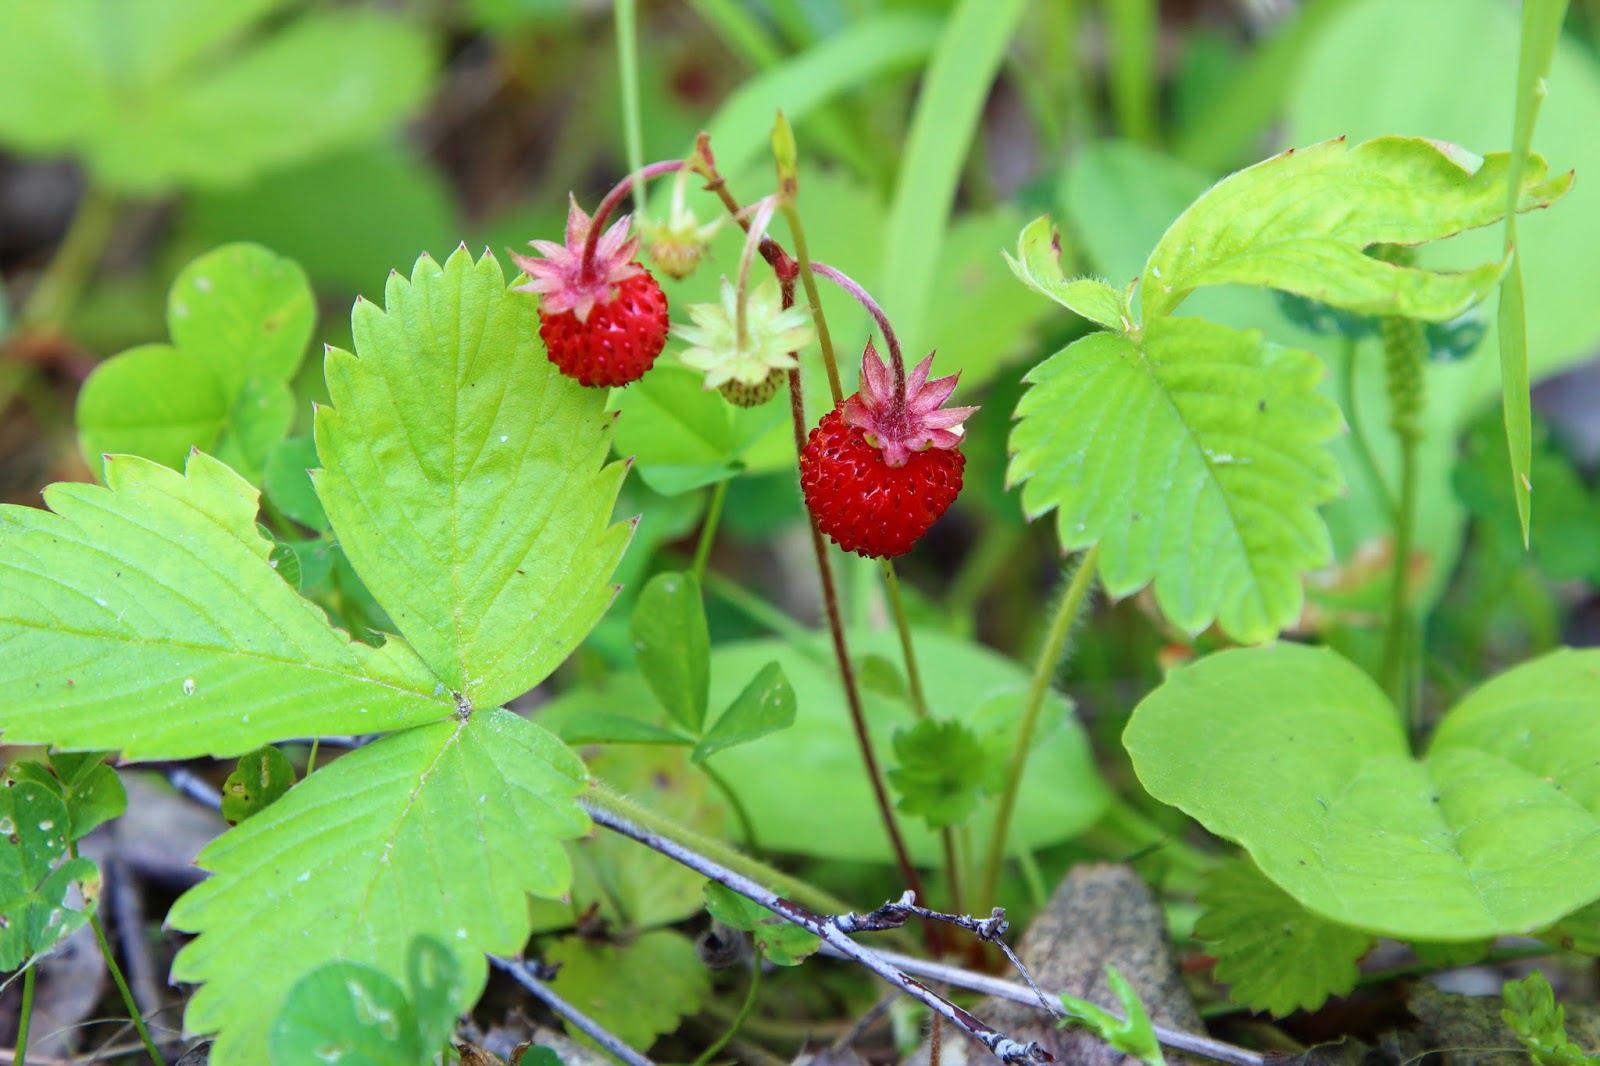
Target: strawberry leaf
(1302, 221)
(1038, 266)
(1296, 754)
(144, 616)
(442, 831)
(159, 94)
(1276, 955)
(1193, 455)
(467, 478)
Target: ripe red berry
(861, 502)
(620, 340)
(602, 316)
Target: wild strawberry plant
(459, 519)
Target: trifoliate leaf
(33, 889)
(1038, 266)
(91, 790)
(777, 938)
(93, 797)
(941, 773)
(638, 990)
(1194, 456)
(1132, 1034)
(673, 647)
(239, 317)
(162, 93)
(1276, 955)
(143, 616)
(1296, 754)
(1302, 221)
(258, 419)
(1533, 1014)
(261, 778)
(442, 831)
(467, 478)
(766, 705)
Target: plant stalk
(602, 214)
(808, 279)
(122, 985)
(25, 1019)
(902, 624)
(787, 269)
(741, 814)
(58, 289)
(864, 298)
(1405, 365)
(1044, 671)
(627, 21)
(738, 1019)
(708, 531)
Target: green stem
(902, 624)
(741, 814)
(1358, 437)
(628, 71)
(738, 1019)
(311, 759)
(808, 279)
(122, 987)
(1405, 365)
(604, 796)
(919, 707)
(56, 292)
(708, 531)
(1399, 644)
(20, 1056)
(1044, 671)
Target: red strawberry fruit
(603, 317)
(882, 467)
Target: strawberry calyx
(900, 424)
(563, 278)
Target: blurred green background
(349, 137)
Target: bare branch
(832, 932)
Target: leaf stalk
(1044, 670)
